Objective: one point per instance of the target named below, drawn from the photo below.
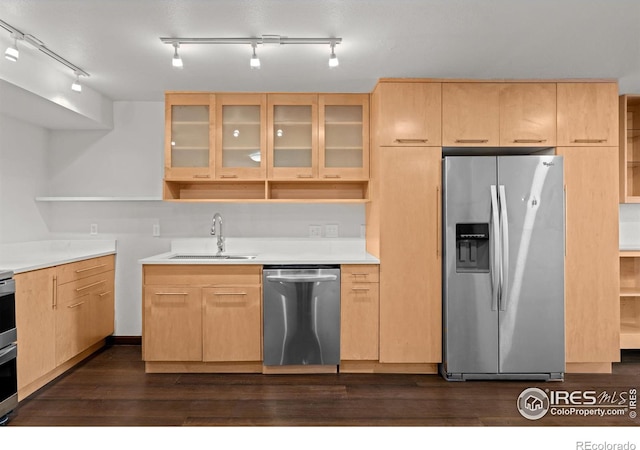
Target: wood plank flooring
(111, 389)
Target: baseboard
(124, 340)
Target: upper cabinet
(410, 112)
(528, 114)
(241, 136)
(498, 114)
(629, 149)
(293, 136)
(189, 136)
(587, 114)
(343, 136)
(471, 114)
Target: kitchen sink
(213, 257)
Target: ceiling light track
(12, 53)
(265, 39)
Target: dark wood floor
(112, 389)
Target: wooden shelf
(630, 292)
(629, 299)
(629, 336)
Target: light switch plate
(315, 231)
(156, 230)
(331, 230)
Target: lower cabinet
(359, 312)
(202, 318)
(63, 313)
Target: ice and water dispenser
(472, 247)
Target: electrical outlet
(315, 231)
(331, 230)
(93, 230)
(156, 230)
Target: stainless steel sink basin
(183, 257)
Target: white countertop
(25, 256)
(269, 251)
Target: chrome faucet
(218, 218)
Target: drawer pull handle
(90, 285)
(360, 289)
(86, 269)
(359, 274)
(411, 141)
(229, 293)
(332, 176)
(472, 141)
(589, 141)
(529, 141)
(229, 176)
(202, 176)
(75, 305)
(171, 293)
(55, 292)
(104, 293)
(304, 176)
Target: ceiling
(117, 42)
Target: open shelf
(630, 299)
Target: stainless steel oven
(8, 346)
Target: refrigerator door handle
(495, 263)
(504, 257)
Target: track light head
(176, 61)
(255, 61)
(76, 86)
(333, 59)
(12, 53)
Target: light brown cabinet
(359, 312)
(629, 148)
(528, 115)
(197, 316)
(471, 114)
(410, 256)
(407, 114)
(587, 114)
(63, 313)
(630, 299)
(591, 261)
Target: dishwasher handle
(301, 278)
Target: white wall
(630, 226)
(23, 175)
(128, 161)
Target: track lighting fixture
(255, 61)
(12, 53)
(76, 86)
(265, 39)
(333, 59)
(177, 61)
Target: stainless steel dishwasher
(301, 315)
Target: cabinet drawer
(360, 273)
(100, 283)
(86, 268)
(201, 275)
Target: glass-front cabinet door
(293, 136)
(241, 136)
(189, 136)
(344, 136)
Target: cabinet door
(410, 255)
(172, 323)
(292, 136)
(188, 136)
(528, 114)
(102, 309)
(591, 264)
(73, 316)
(343, 136)
(359, 316)
(36, 322)
(587, 114)
(232, 325)
(470, 114)
(241, 136)
(407, 114)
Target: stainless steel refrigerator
(503, 274)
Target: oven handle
(7, 287)
(8, 353)
(302, 278)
